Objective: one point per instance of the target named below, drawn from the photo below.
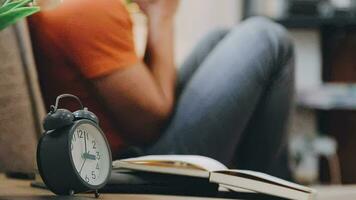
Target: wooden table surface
(21, 190)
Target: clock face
(90, 154)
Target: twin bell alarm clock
(73, 155)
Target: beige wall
(197, 17)
(194, 19)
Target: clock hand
(80, 171)
(89, 156)
(85, 142)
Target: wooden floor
(21, 190)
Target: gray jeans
(234, 96)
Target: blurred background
(323, 126)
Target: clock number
(80, 133)
(86, 134)
(93, 175)
(97, 166)
(98, 155)
(86, 179)
(94, 144)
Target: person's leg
(245, 80)
(198, 55)
(185, 73)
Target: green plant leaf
(6, 2)
(13, 5)
(10, 17)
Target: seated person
(230, 100)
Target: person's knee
(277, 35)
(278, 38)
(214, 36)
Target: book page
(258, 176)
(177, 161)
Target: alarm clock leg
(71, 192)
(97, 194)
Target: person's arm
(141, 97)
(160, 43)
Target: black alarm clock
(73, 155)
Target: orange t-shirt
(79, 41)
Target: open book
(204, 167)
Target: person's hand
(158, 8)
